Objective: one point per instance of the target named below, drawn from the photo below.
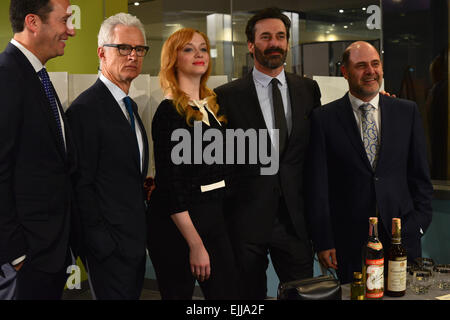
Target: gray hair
(106, 32)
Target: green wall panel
(5, 26)
(81, 51)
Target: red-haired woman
(187, 236)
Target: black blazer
(178, 186)
(108, 182)
(255, 197)
(35, 188)
(345, 190)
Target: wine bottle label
(375, 245)
(375, 262)
(396, 275)
(375, 278)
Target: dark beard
(271, 62)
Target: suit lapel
(252, 108)
(347, 118)
(144, 140)
(297, 109)
(386, 128)
(34, 83)
(117, 113)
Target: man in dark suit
(113, 161)
(36, 152)
(367, 157)
(266, 212)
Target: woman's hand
(198, 256)
(199, 260)
(149, 186)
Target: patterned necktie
(369, 133)
(49, 91)
(280, 117)
(129, 106)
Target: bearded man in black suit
(266, 212)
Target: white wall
(145, 91)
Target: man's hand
(19, 266)
(327, 258)
(388, 94)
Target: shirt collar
(117, 93)
(264, 80)
(35, 62)
(356, 103)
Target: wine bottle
(374, 263)
(396, 264)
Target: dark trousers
(291, 257)
(34, 284)
(169, 254)
(116, 277)
(175, 280)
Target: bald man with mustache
(367, 157)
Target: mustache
(274, 50)
(375, 77)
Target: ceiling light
(341, 11)
(136, 3)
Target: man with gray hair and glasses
(113, 161)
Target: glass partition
(411, 35)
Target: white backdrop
(145, 91)
(333, 88)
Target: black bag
(324, 287)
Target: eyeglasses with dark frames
(126, 49)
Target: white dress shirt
(38, 66)
(264, 91)
(375, 102)
(119, 95)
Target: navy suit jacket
(344, 190)
(35, 187)
(109, 183)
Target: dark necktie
(129, 106)
(280, 117)
(49, 91)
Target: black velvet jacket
(178, 186)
